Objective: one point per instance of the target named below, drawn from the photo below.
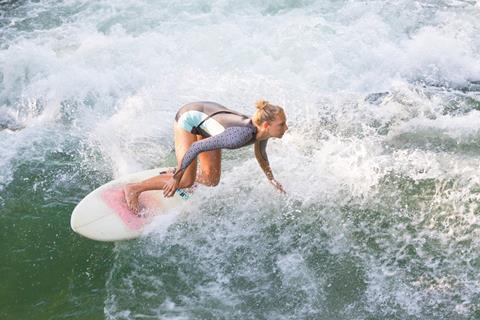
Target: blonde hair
(266, 112)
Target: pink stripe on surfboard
(115, 199)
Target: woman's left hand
(277, 185)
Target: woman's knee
(211, 176)
(215, 182)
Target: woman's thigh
(210, 166)
(183, 141)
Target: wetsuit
(222, 128)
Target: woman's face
(278, 126)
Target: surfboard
(103, 214)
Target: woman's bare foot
(131, 197)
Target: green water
(48, 271)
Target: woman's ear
(265, 125)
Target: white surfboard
(103, 214)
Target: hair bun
(261, 104)
(266, 112)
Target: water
(380, 163)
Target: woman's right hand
(170, 187)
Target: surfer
(201, 130)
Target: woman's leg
(210, 167)
(183, 141)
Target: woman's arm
(261, 155)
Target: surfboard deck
(103, 214)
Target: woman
(202, 129)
